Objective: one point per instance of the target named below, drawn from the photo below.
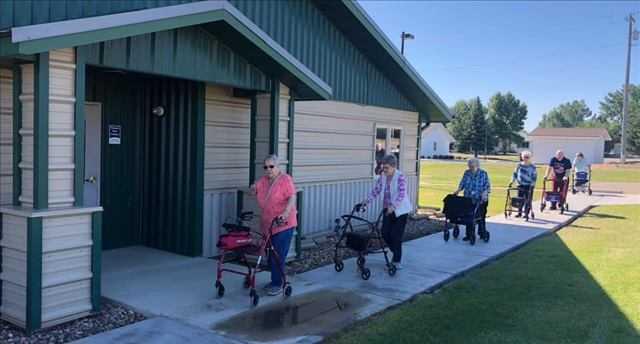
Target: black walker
(362, 242)
(460, 210)
(517, 203)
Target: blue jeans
(281, 243)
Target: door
(92, 150)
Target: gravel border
(322, 252)
(111, 316)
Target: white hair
(525, 153)
(473, 161)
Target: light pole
(625, 101)
(403, 37)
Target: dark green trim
(239, 202)
(79, 124)
(17, 139)
(274, 117)
(199, 177)
(252, 140)
(299, 207)
(290, 134)
(96, 260)
(418, 143)
(41, 133)
(34, 274)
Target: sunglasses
(269, 167)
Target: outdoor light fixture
(158, 111)
(403, 37)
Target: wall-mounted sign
(115, 134)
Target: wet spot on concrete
(316, 313)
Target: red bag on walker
(234, 240)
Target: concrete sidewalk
(181, 289)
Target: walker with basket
(555, 197)
(242, 242)
(518, 198)
(369, 241)
(582, 182)
(459, 210)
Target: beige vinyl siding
(66, 267)
(14, 269)
(6, 136)
(334, 141)
(61, 129)
(227, 134)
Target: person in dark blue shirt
(561, 168)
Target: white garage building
(544, 142)
(436, 140)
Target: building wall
(544, 148)
(440, 137)
(61, 129)
(335, 141)
(6, 136)
(297, 25)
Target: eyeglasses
(525, 157)
(269, 167)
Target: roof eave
(39, 38)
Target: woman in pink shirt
(276, 195)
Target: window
(388, 141)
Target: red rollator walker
(555, 197)
(242, 242)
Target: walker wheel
(472, 239)
(288, 291)
(247, 283)
(446, 235)
(590, 192)
(542, 208)
(366, 274)
(220, 290)
(574, 191)
(255, 300)
(506, 215)
(392, 269)
(533, 216)
(486, 236)
(456, 232)
(361, 262)
(339, 266)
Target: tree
(479, 128)
(461, 125)
(568, 115)
(610, 117)
(506, 116)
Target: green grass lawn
(440, 178)
(577, 286)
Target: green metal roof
(236, 29)
(354, 21)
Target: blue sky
(545, 53)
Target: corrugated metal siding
(149, 181)
(323, 203)
(14, 268)
(298, 25)
(310, 36)
(189, 53)
(219, 207)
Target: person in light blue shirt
(582, 169)
(525, 175)
(475, 185)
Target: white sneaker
(398, 266)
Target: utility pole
(625, 101)
(404, 36)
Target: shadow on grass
(539, 294)
(604, 216)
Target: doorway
(145, 143)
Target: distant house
(544, 142)
(436, 140)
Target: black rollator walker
(460, 210)
(365, 242)
(519, 199)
